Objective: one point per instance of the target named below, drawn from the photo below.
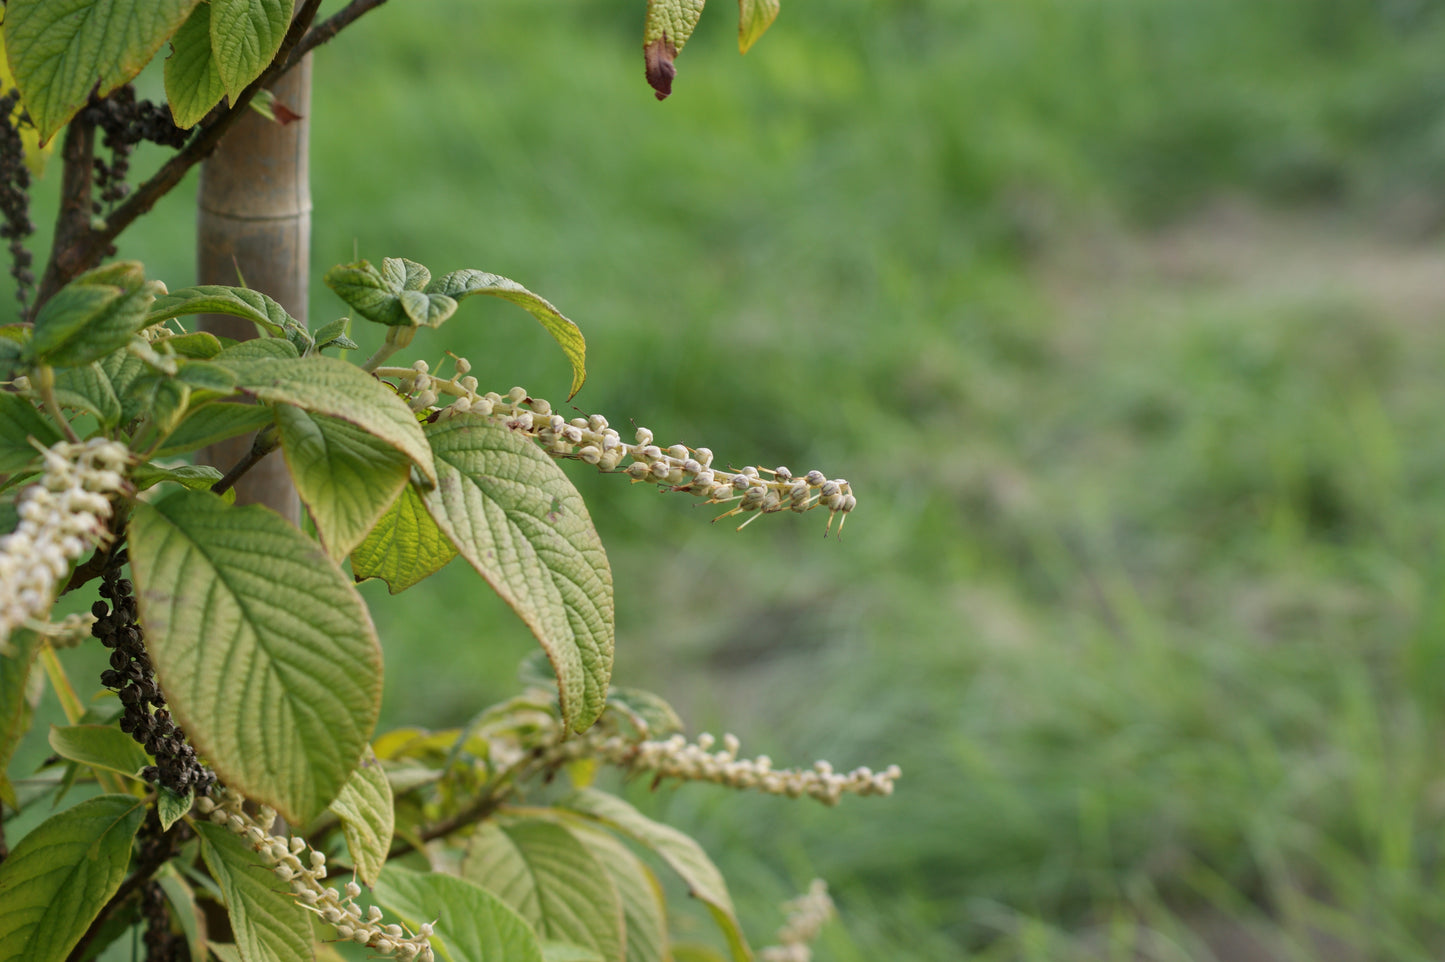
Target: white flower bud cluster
(304, 868)
(752, 490)
(62, 516)
(807, 914)
(676, 757)
(68, 632)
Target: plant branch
(72, 221)
(266, 442)
(83, 247)
(330, 27)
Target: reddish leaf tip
(659, 56)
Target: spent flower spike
(62, 516)
(807, 914)
(226, 807)
(750, 490)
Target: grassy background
(1122, 318)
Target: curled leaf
(668, 26)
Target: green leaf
(184, 910)
(512, 513)
(62, 50)
(214, 422)
(85, 322)
(328, 385)
(551, 879)
(404, 547)
(269, 924)
(57, 878)
(225, 951)
(197, 477)
(650, 714)
(276, 348)
(205, 376)
(19, 422)
(16, 704)
(553, 951)
(682, 853)
(668, 26)
(245, 35)
(643, 905)
(754, 19)
(170, 807)
(367, 817)
(346, 477)
(123, 370)
(193, 82)
(472, 925)
(258, 639)
(99, 746)
(161, 397)
(463, 284)
(199, 345)
(695, 952)
(334, 334)
(240, 302)
(391, 295)
(89, 388)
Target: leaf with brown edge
(666, 31)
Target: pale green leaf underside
(682, 853)
(193, 83)
(269, 924)
(538, 868)
(463, 284)
(346, 477)
(245, 35)
(61, 50)
(472, 925)
(512, 513)
(99, 746)
(328, 385)
(266, 653)
(367, 817)
(404, 547)
(643, 906)
(57, 878)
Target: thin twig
(265, 443)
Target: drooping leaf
(464, 284)
(197, 477)
(88, 388)
(678, 850)
(472, 925)
(367, 817)
(56, 879)
(240, 302)
(346, 477)
(99, 746)
(266, 653)
(643, 905)
(512, 513)
(404, 547)
(170, 807)
(392, 294)
(19, 423)
(213, 422)
(668, 25)
(16, 705)
(754, 19)
(552, 880)
(245, 35)
(328, 385)
(270, 925)
(35, 155)
(62, 50)
(193, 82)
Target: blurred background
(1123, 319)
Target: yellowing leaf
(754, 19)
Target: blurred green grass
(1122, 318)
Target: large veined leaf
(89, 388)
(56, 879)
(392, 294)
(270, 925)
(463, 284)
(86, 320)
(472, 925)
(245, 35)
(19, 423)
(266, 653)
(241, 302)
(404, 547)
(518, 521)
(552, 880)
(664, 33)
(328, 385)
(643, 905)
(346, 477)
(99, 746)
(679, 851)
(367, 817)
(193, 82)
(62, 50)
